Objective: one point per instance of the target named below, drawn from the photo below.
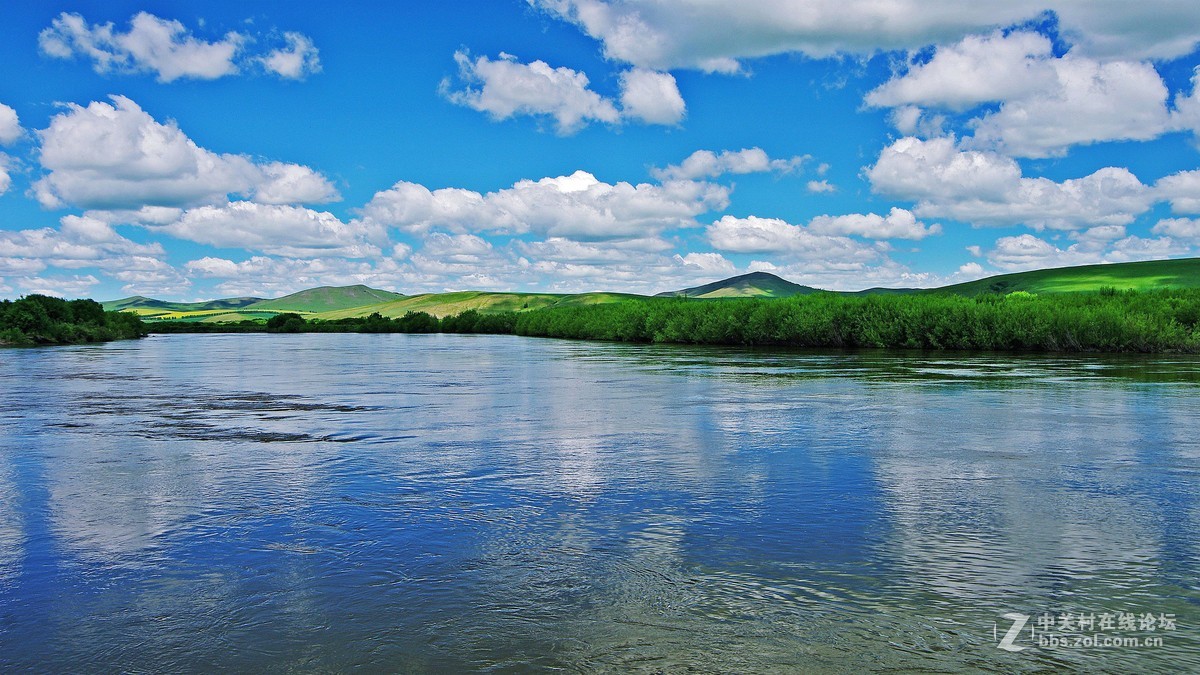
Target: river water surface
(416, 503)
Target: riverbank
(43, 320)
(1160, 321)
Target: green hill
(752, 285)
(1147, 275)
(144, 303)
(447, 304)
(326, 299)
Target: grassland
(1137, 276)
(449, 304)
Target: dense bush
(1123, 321)
(41, 319)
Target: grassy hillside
(449, 304)
(753, 285)
(326, 299)
(1151, 274)
(152, 306)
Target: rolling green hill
(329, 302)
(447, 304)
(1151, 274)
(326, 299)
(753, 285)
(142, 302)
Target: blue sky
(195, 150)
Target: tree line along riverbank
(1103, 321)
(44, 320)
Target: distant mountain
(752, 285)
(142, 302)
(326, 299)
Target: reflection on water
(410, 503)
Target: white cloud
(1047, 103)
(820, 187)
(5, 179)
(1090, 102)
(979, 69)
(168, 49)
(262, 276)
(1027, 252)
(711, 263)
(985, 188)
(1182, 190)
(772, 235)
(708, 164)
(277, 229)
(74, 286)
(116, 155)
(296, 61)
(897, 224)
(651, 97)
(81, 241)
(507, 88)
(577, 206)
(1182, 228)
(457, 248)
(10, 126)
(164, 47)
(713, 36)
(282, 183)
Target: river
(421, 503)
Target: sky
(193, 150)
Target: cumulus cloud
(505, 87)
(772, 235)
(578, 206)
(1090, 102)
(820, 187)
(1182, 190)
(264, 276)
(714, 36)
(986, 188)
(897, 224)
(168, 49)
(115, 155)
(74, 286)
(295, 61)
(5, 179)
(1047, 103)
(1026, 252)
(277, 229)
(709, 164)
(978, 69)
(80, 241)
(10, 126)
(712, 263)
(1180, 228)
(651, 97)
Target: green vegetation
(43, 320)
(1147, 307)
(1138, 276)
(1107, 321)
